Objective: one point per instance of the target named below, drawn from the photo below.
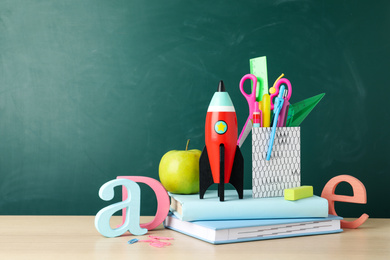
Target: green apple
(179, 171)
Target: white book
(231, 231)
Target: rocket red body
(213, 141)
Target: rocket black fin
(237, 176)
(221, 185)
(205, 175)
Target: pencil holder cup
(283, 170)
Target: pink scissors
(251, 99)
(276, 89)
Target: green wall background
(90, 90)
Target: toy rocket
(221, 160)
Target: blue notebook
(232, 231)
(191, 207)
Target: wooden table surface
(75, 237)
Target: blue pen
(277, 107)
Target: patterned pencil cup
(283, 170)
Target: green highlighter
(299, 111)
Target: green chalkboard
(94, 89)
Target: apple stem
(188, 141)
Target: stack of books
(248, 219)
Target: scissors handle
(254, 80)
(251, 99)
(277, 86)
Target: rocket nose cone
(221, 87)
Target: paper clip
(155, 241)
(161, 238)
(159, 244)
(132, 241)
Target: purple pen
(283, 113)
